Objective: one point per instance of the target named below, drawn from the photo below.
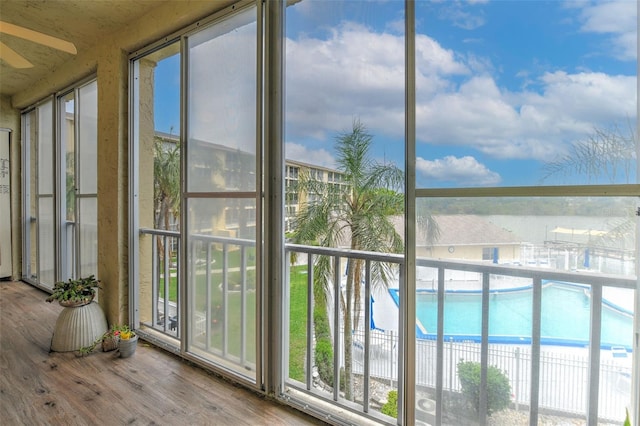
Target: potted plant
(81, 321)
(128, 342)
(75, 292)
(111, 339)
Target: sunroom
(393, 212)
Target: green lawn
(234, 276)
(297, 323)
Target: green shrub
(324, 361)
(324, 346)
(321, 322)
(390, 408)
(498, 388)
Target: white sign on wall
(5, 204)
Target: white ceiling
(81, 22)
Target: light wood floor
(151, 388)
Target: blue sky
(502, 86)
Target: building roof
(463, 229)
(310, 166)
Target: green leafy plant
(390, 408)
(74, 290)
(498, 388)
(126, 333)
(324, 348)
(367, 193)
(116, 332)
(627, 420)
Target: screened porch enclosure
(512, 274)
(404, 212)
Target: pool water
(565, 317)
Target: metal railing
(211, 329)
(563, 374)
(210, 325)
(578, 385)
(540, 379)
(165, 281)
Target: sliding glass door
(39, 203)
(60, 187)
(77, 123)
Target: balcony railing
(165, 267)
(211, 329)
(543, 379)
(586, 384)
(212, 323)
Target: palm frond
(604, 155)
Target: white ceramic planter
(78, 327)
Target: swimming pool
(565, 316)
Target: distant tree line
(530, 206)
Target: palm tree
(166, 187)
(166, 181)
(356, 210)
(606, 155)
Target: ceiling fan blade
(13, 58)
(37, 37)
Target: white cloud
(396, 26)
(475, 114)
(526, 124)
(320, 157)
(465, 170)
(589, 96)
(331, 81)
(461, 16)
(357, 72)
(617, 18)
(434, 60)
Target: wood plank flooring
(151, 388)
